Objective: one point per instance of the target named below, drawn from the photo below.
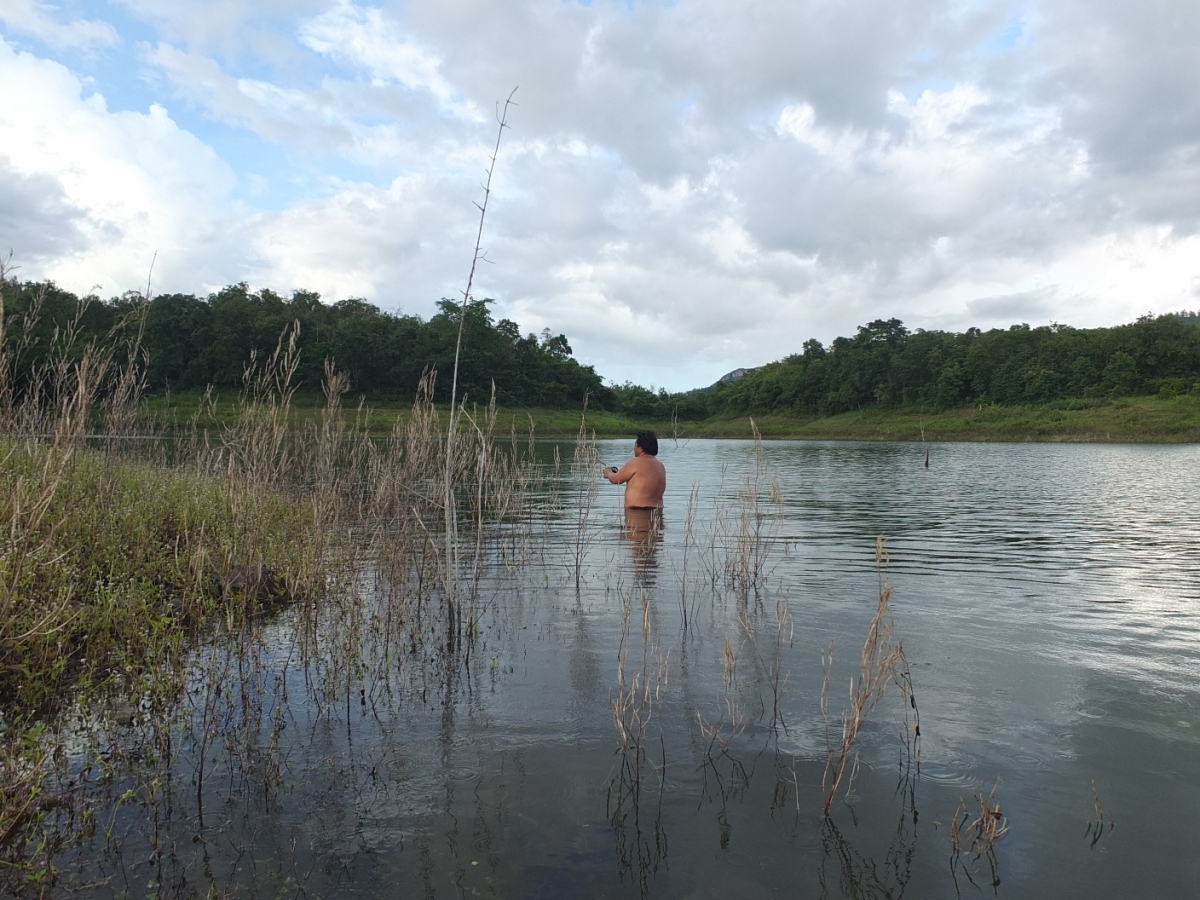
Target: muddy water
(1048, 599)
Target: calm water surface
(1048, 598)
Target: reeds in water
(975, 833)
(1098, 824)
(115, 560)
(882, 664)
(585, 485)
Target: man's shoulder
(652, 463)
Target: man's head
(647, 443)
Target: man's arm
(622, 474)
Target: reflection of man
(643, 531)
(644, 477)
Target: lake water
(1048, 600)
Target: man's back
(645, 480)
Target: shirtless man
(644, 477)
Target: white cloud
(687, 187)
(134, 183)
(365, 37)
(273, 111)
(38, 20)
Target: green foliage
(127, 558)
(885, 365)
(193, 342)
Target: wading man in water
(645, 481)
(644, 477)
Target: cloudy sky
(687, 186)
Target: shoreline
(1143, 420)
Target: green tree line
(884, 363)
(191, 342)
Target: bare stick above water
(451, 518)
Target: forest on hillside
(884, 363)
(191, 342)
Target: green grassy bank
(1137, 419)
(381, 416)
(110, 564)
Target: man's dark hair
(648, 442)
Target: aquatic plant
(1098, 824)
(882, 664)
(982, 831)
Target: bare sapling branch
(451, 523)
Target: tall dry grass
(126, 542)
(882, 664)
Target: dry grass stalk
(743, 535)
(638, 694)
(882, 663)
(750, 620)
(129, 386)
(977, 836)
(688, 593)
(449, 506)
(733, 721)
(1098, 824)
(585, 476)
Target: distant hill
(734, 375)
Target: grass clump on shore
(108, 564)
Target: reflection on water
(370, 769)
(643, 532)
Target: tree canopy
(884, 363)
(192, 342)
